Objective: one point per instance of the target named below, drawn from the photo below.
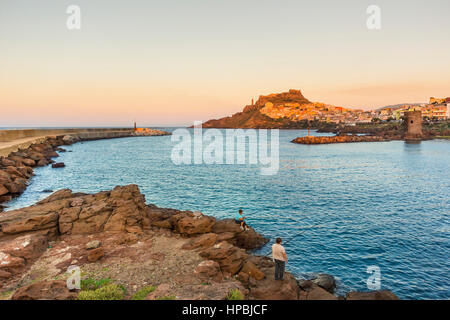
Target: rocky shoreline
(127, 249)
(338, 139)
(17, 167)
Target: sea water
(343, 208)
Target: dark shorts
(239, 222)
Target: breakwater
(22, 150)
(338, 139)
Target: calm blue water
(380, 204)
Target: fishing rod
(295, 236)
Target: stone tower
(413, 124)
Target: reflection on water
(413, 146)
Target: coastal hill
(283, 110)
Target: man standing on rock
(280, 258)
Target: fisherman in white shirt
(280, 258)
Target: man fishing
(280, 258)
(240, 219)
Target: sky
(171, 62)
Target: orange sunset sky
(170, 62)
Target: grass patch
(142, 293)
(171, 297)
(93, 284)
(235, 294)
(6, 294)
(108, 292)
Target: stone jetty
(338, 139)
(23, 150)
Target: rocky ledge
(126, 249)
(17, 168)
(338, 139)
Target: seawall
(13, 140)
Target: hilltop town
(292, 110)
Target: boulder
(95, 254)
(45, 290)
(243, 239)
(93, 244)
(209, 269)
(28, 162)
(11, 264)
(67, 140)
(243, 277)
(58, 165)
(13, 172)
(3, 190)
(4, 275)
(270, 289)
(27, 219)
(253, 271)
(4, 176)
(230, 258)
(28, 247)
(42, 163)
(313, 292)
(325, 281)
(373, 295)
(16, 187)
(203, 241)
(191, 225)
(5, 162)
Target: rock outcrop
(251, 117)
(338, 139)
(186, 255)
(45, 290)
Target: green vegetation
(235, 294)
(108, 292)
(93, 284)
(171, 297)
(6, 294)
(142, 293)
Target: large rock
(17, 253)
(325, 281)
(311, 291)
(373, 295)
(253, 271)
(209, 269)
(231, 231)
(270, 289)
(3, 190)
(188, 225)
(28, 247)
(230, 258)
(11, 264)
(203, 241)
(27, 219)
(45, 290)
(122, 209)
(95, 254)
